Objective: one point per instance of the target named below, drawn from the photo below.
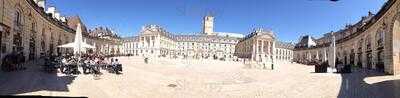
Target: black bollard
(272, 66)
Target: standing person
(146, 60)
(7, 63)
(103, 63)
(92, 65)
(21, 60)
(97, 62)
(110, 63)
(13, 61)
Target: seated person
(117, 66)
(93, 66)
(85, 66)
(63, 64)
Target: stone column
(268, 48)
(262, 46)
(37, 44)
(325, 58)
(258, 50)
(145, 45)
(254, 51)
(318, 53)
(273, 53)
(373, 53)
(144, 42)
(262, 51)
(25, 41)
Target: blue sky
(287, 18)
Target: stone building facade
(113, 45)
(155, 41)
(372, 43)
(27, 27)
(152, 41)
(262, 46)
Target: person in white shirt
(63, 64)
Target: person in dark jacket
(7, 63)
(10, 61)
(20, 61)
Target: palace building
(25, 26)
(155, 41)
(371, 43)
(262, 46)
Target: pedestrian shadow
(354, 86)
(33, 80)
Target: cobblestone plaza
(197, 79)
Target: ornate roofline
(360, 30)
(371, 22)
(59, 24)
(40, 10)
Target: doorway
(369, 61)
(380, 66)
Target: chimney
(370, 13)
(362, 18)
(63, 19)
(41, 3)
(51, 10)
(57, 15)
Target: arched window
(17, 38)
(360, 43)
(17, 18)
(43, 43)
(368, 42)
(2, 34)
(380, 38)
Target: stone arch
(392, 38)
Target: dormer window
(380, 36)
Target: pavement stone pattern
(202, 79)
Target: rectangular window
(2, 46)
(1, 37)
